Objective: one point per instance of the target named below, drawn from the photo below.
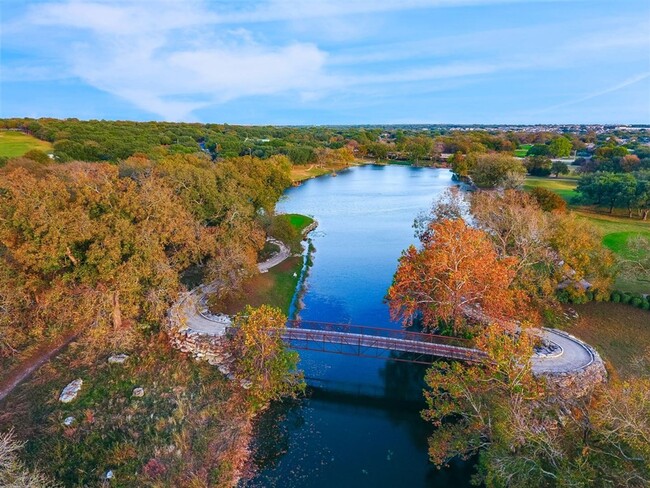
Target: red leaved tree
(456, 271)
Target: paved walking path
(574, 355)
(194, 308)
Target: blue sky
(328, 62)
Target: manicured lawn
(616, 232)
(298, 221)
(14, 143)
(562, 186)
(522, 150)
(618, 241)
(620, 333)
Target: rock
(69, 393)
(109, 474)
(118, 358)
(68, 421)
(246, 384)
(224, 369)
(138, 392)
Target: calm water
(360, 423)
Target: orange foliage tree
(456, 271)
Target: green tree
(559, 168)
(492, 169)
(560, 147)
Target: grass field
(620, 333)
(616, 230)
(562, 186)
(522, 150)
(299, 222)
(14, 143)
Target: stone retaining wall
(202, 346)
(581, 382)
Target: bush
(616, 297)
(636, 301)
(626, 297)
(563, 296)
(645, 305)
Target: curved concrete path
(194, 308)
(575, 355)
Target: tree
(491, 170)
(481, 407)
(418, 147)
(378, 149)
(636, 263)
(527, 436)
(13, 472)
(608, 189)
(539, 150)
(582, 255)
(560, 147)
(538, 165)
(558, 168)
(548, 200)
(456, 271)
(264, 363)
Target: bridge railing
(400, 334)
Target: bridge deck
(370, 341)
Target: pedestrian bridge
(376, 342)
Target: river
(359, 424)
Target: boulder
(138, 392)
(69, 393)
(118, 358)
(68, 421)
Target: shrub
(636, 301)
(616, 297)
(645, 305)
(563, 296)
(626, 297)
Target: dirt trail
(40, 356)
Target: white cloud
(173, 57)
(165, 61)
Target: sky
(300, 62)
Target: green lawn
(615, 230)
(617, 241)
(522, 150)
(14, 143)
(298, 221)
(562, 186)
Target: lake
(360, 423)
